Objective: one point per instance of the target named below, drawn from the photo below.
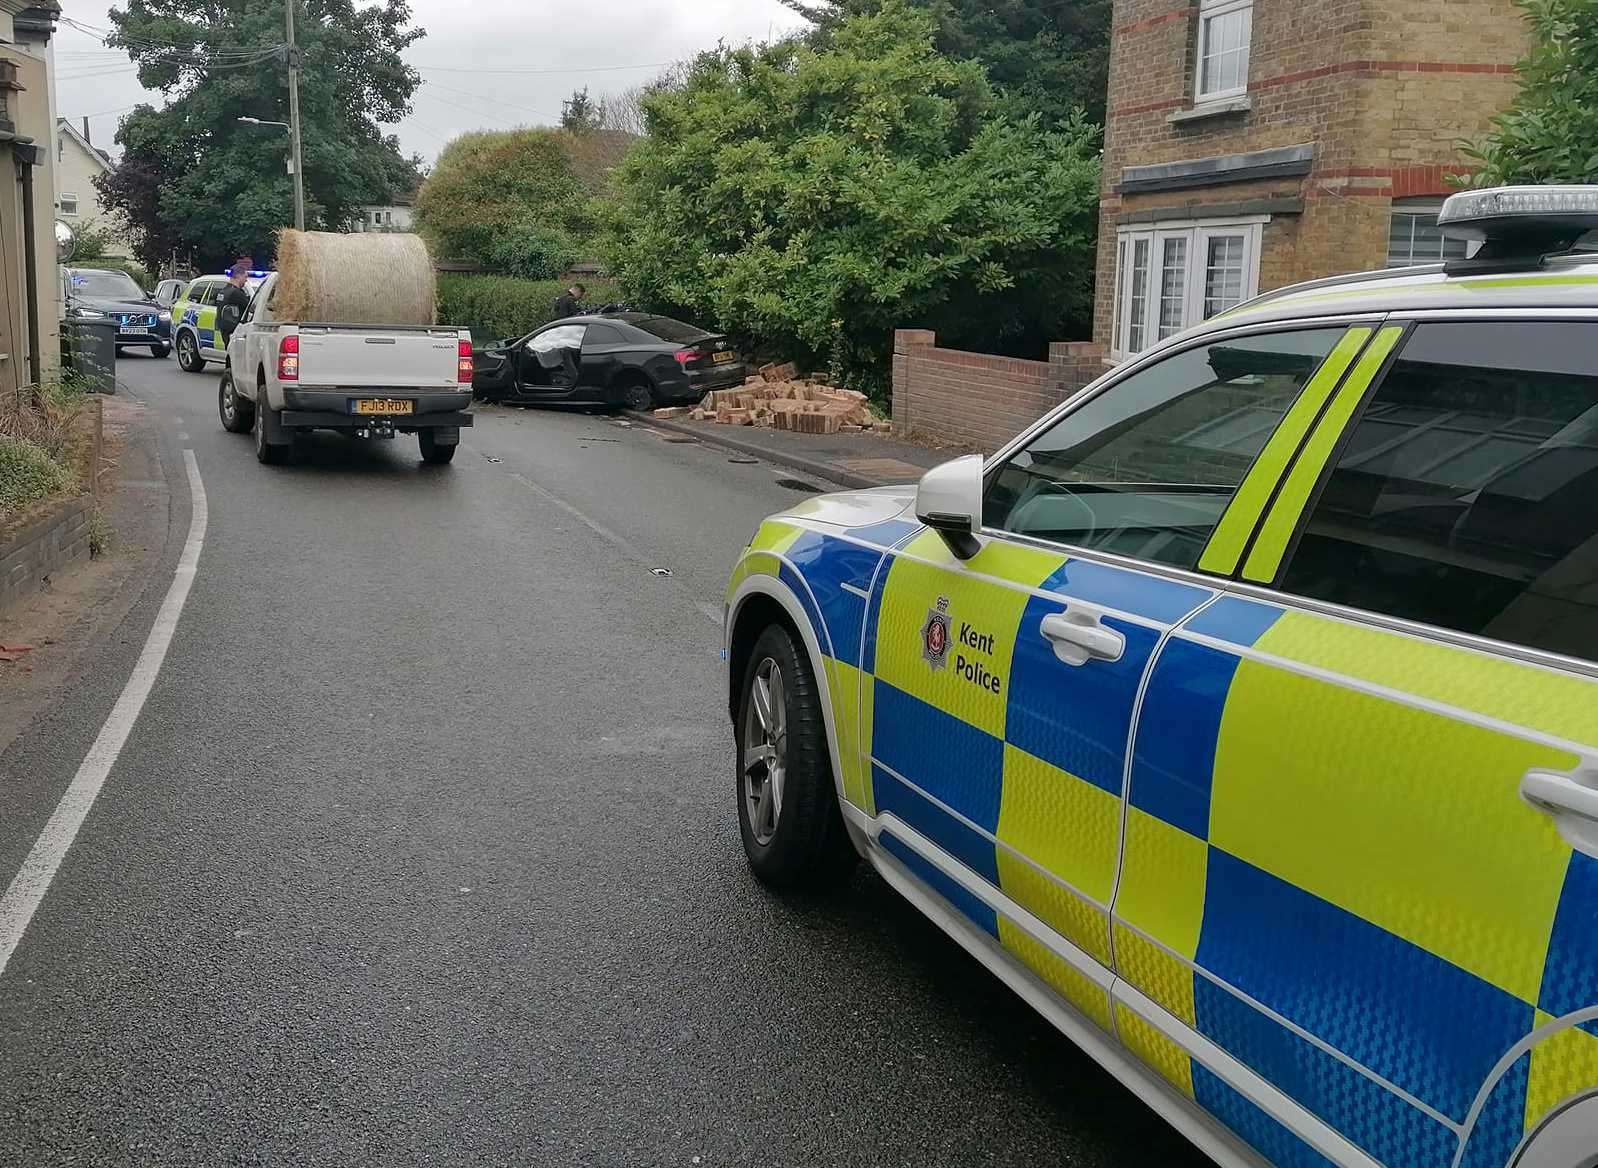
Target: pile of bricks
(779, 398)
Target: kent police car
(195, 334)
(1242, 714)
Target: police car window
(1147, 467)
(205, 293)
(1467, 495)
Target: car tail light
(465, 369)
(685, 356)
(288, 359)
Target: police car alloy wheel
(788, 813)
(189, 359)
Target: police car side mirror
(949, 500)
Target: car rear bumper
(329, 420)
(331, 409)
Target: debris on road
(780, 399)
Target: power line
(140, 44)
(528, 72)
(492, 100)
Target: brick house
(1255, 143)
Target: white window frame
(1208, 11)
(1197, 233)
(1410, 208)
(68, 196)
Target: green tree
(1048, 57)
(579, 113)
(193, 178)
(508, 200)
(819, 199)
(1550, 134)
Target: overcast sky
(582, 43)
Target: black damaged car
(103, 294)
(630, 360)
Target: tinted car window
(603, 334)
(672, 331)
(1467, 495)
(1147, 467)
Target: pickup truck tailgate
(378, 357)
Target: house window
(69, 203)
(1171, 276)
(1225, 28)
(1413, 237)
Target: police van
(1242, 713)
(195, 335)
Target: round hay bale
(372, 278)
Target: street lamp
(294, 169)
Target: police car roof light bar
(1519, 227)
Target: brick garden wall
(978, 400)
(54, 540)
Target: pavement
(424, 850)
(851, 460)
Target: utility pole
(294, 117)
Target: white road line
(32, 881)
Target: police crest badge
(935, 635)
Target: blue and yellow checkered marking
(1033, 761)
(1369, 872)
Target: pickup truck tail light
(465, 370)
(288, 359)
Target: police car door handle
(1079, 636)
(1572, 800)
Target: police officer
(234, 301)
(570, 302)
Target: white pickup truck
(285, 378)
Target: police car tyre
(238, 415)
(433, 450)
(189, 359)
(793, 831)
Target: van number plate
(383, 405)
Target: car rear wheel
(189, 359)
(238, 415)
(788, 813)
(433, 451)
(638, 395)
(267, 453)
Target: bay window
(1171, 276)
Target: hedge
(495, 307)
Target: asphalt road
(424, 851)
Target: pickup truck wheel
(433, 451)
(793, 830)
(265, 452)
(238, 415)
(189, 359)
